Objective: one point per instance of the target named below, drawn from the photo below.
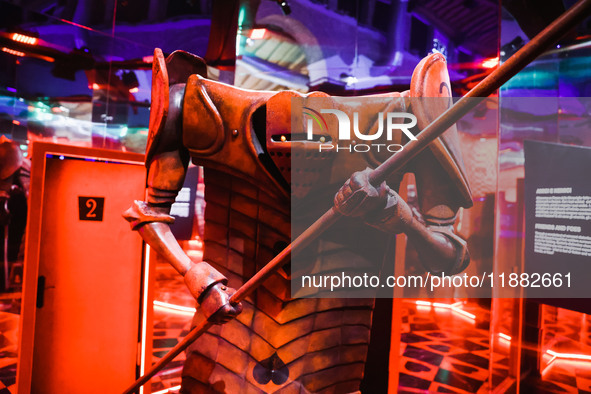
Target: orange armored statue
(276, 341)
(15, 176)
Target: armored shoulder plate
(11, 157)
(429, 89)
(175, 69)
(159, 105)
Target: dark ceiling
(471, 24)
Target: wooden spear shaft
(486, 87)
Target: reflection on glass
(352, 47)
(556, 111)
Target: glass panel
(350, 47)
(556, 113)
(74, 85)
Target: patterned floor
(566, 343)
(443, 350)
(444, 347)
(170, 325)
(9, 323)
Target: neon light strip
(166, 305)
(572, 357)
(169, 310)
(13, 52)
(144, 314)
(165, 391)
(455, 307)
(505, 336)
(463, 313)
(257, 34)
(490, 62)
(569, 356)
(24, 39)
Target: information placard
(557, 219)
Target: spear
(540, 43)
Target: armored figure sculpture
(14, 189)
(242, 139)
(14, 172)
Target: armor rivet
(322, 139)
(235, 132)
(283, 138)
(224, 288)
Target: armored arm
(439, 249)
(442, 187)
(151, 219)
(167, 160)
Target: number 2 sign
(91, 208)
